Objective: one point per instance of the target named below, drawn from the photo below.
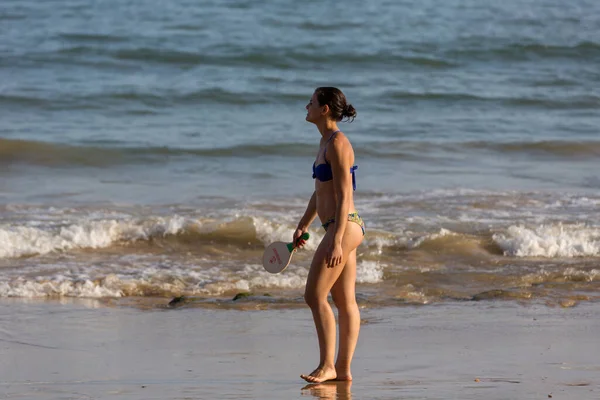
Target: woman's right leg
(318, 285)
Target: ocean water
(153, 149)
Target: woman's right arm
(307, 218)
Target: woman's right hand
(298, 242)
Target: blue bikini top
(323, 172)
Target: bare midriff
(327, 200)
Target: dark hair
(335, 99)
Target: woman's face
(314, 110)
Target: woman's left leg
(318, 285)
(343, 293)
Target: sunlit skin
(333, 268)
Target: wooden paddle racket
(278, 255)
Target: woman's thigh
(322, 278)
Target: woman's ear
(325, 110)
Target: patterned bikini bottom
(352, 217)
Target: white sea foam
(477, 209)
(60, 287)
(121, 286)
(268, 232)
(369, 272)
(416, 242)
(575, 274)
(23, 240)
(379, 242)
(550, 241)
(148, 278)
(254, 277)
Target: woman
(333, 269)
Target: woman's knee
(343, 302)
(313, 299)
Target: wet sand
(82, 349)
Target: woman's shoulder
(340, 145)
(340, 141)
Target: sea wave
(85, 37)
(150, 281)
(556, 148)
(550, 241)
(57, 154)
(251, 284)
(489, 226)
(19, 241)
(180, 255)
(409, 149)
(151, 100)
(154, 100)
(580, 102)
(228, 55)
(518, 51)
(86, 233)
(80, 47)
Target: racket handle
(292, 246)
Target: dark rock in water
(177, 301)
(241, 295)
(488, 295)
(268, 295)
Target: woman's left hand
(334, 255)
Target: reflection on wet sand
(331, 390)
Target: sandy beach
(84, 349)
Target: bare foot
(343, 378)
(343, 375)
(321, 374)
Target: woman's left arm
(340, 159)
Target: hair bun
(349, 112)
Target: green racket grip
(291, 246)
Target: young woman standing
(333, 269)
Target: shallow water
(155, 149)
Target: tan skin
(333, 268)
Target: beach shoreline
(493, 350)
